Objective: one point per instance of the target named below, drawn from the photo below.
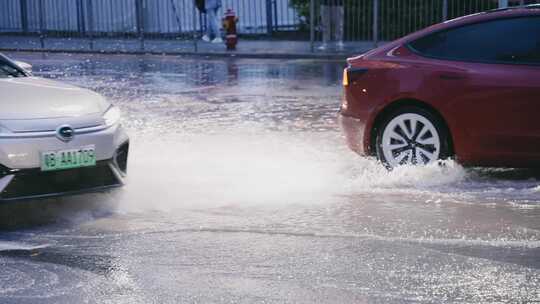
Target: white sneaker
(206, 38)
(323, 47)
(340, 45)
(217, 40)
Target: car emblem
(65, 133)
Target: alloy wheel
(410, 139)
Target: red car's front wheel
(411, 136)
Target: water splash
(255, 166)
(12, 246)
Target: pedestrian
(332, 17)
(200, 6)
(212, 22)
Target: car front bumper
(35, 184)
(21, 176)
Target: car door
(500, 109)
(496, 86)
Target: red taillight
(351, 74)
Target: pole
(275, 23)
(445, 10)
(143, 22)
(375, 22)
(312, 25)
(269, 19)
(177, 17)
(139, 9)
(91, 24)
(81, 23)
(41, 24)
(194, 35)
(24, 16)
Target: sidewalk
(245, 48)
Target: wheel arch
(391, 107)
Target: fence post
(376, 22)
(312, 25)
(269, 19)
(91, 25)
(194, 36)
(139, 12)
(41, 24)
(24, 15)
(276, 21)
(445, 10)
(81, 23)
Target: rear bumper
(354, 131)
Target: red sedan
(467, 89)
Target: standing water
(241, 189)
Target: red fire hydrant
(229, 24)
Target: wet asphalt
(241, 190)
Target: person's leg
(206, 37)
(325, 25)
(212, 24)
(217, 31)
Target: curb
(320, 56)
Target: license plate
(68, 159)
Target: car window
(515, 40)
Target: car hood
(32, 103)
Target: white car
(56, 139)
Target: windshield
(9, 69)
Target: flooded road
(241, 190)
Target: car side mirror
(25, 66)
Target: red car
(467, 89)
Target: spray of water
(11, 246)
(270, 168)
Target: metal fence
(359, 20)
(127, 16)
(385, 20)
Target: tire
(411, 136)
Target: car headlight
(112, 116)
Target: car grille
(35, 184)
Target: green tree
(302, 7)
